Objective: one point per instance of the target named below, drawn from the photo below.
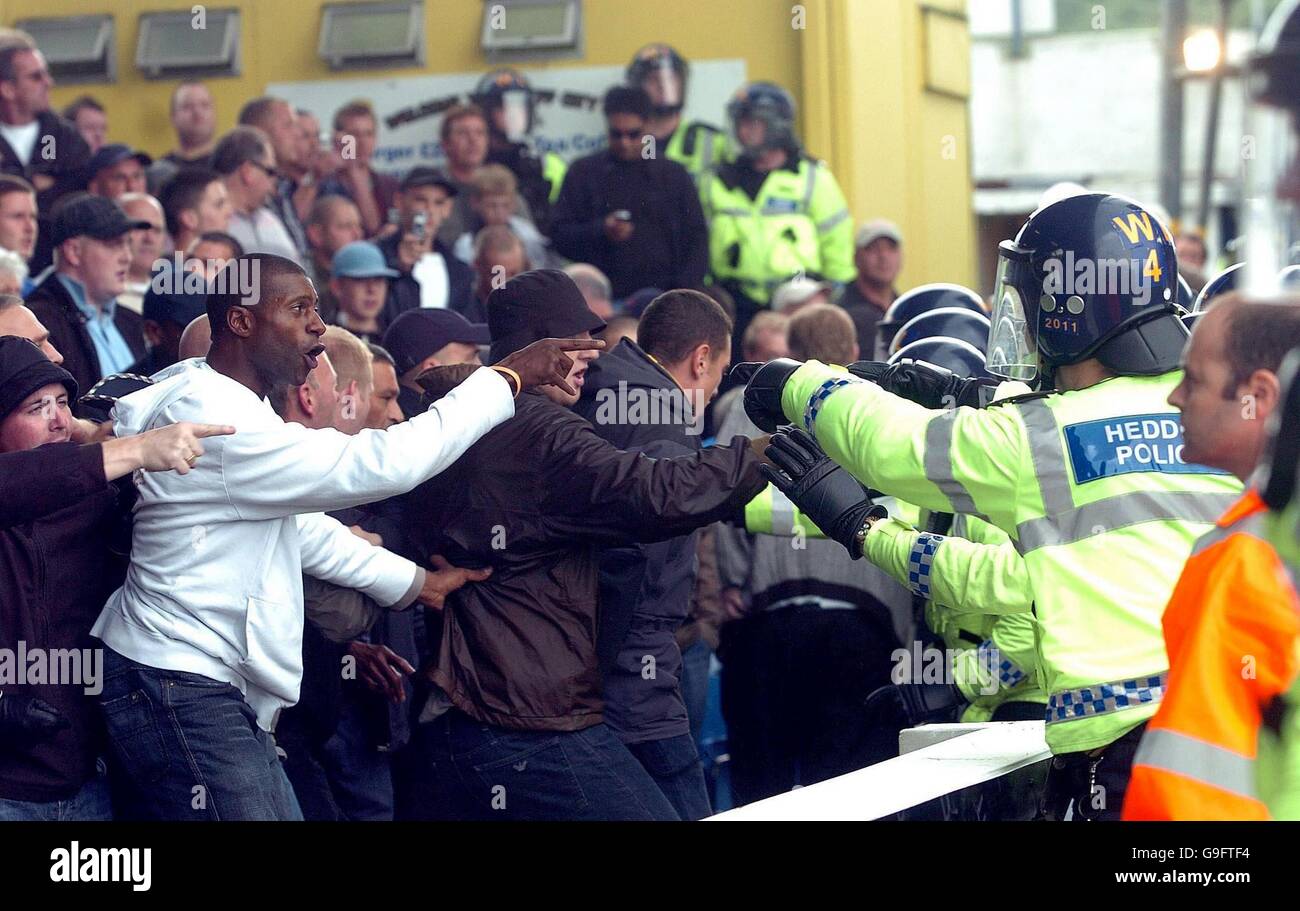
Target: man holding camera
(430, 276)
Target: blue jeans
(91, 803)
(360, 776)
(190, 746)
(674, 764)
(479, 771)
(695, 684)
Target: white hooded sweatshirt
(218, 554)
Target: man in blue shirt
(77, 302)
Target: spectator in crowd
(246, 162)
(430, 275)
(595, 288)
(17, 319)
(194, 201)
(233, 636)
(313, 403)
(13, 273)
(90, 119)
(59, 509)
(359, 286)
(800, 292)
(507, 97)
(196, 339)
(356, 133)
(1193, 257)
(384, 410)
(354, 380)
(333, 224)
(116, 170)
(499, 255)
(811, 633)
(637, 219)
(493, 193)
(18, 222)
(194, 118)
(516, 668)
(773, 209)
(167, 309)
(36, 143)
(147, 246)
(422, 339)
(646, 589)
(295, 186)
(77, 302)
(618, 328)
(878, 256)
(210, 251)
(464, 137)
(765, 339)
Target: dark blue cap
(174, 296)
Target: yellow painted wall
(856, 66)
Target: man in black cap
(172, 301)
(421, 339)
(115, 170)
(514, 719)
(58, 515)
(77, 302)
(431, 276)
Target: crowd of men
(307, 557)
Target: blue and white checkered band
(1102, 698)
(818, 398)
(991, 660)
(919, 562)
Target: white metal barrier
(936, 759)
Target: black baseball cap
(423, 176)
(416, 334)
(92, 216)
(174, 296)
(111, 154)
(24, 368)
(543, 303)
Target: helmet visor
(1013, 336)
(514, 114)
(664, 86)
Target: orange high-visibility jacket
(1231, 629)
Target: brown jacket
(535, 499)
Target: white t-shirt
(430, 273)
(22, 139)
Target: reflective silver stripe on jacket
(782, 513)
(827, 223)
(1120, 511)
(1252, 524)
(1199, 760)
(810, 185)
(1048, 455)
(938, 462)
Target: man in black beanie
(513, 725)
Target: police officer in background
(1085, 475)
(508, 99)
(662, 73)
(773, 211)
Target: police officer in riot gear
(663, 74)
(1083, 476)
(773, 211)
(508, 99)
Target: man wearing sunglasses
(245, 159)
(629, 210)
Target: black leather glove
(927, 385)
(763, 386)
(822, 490)
(931, 703)
(27, 718)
